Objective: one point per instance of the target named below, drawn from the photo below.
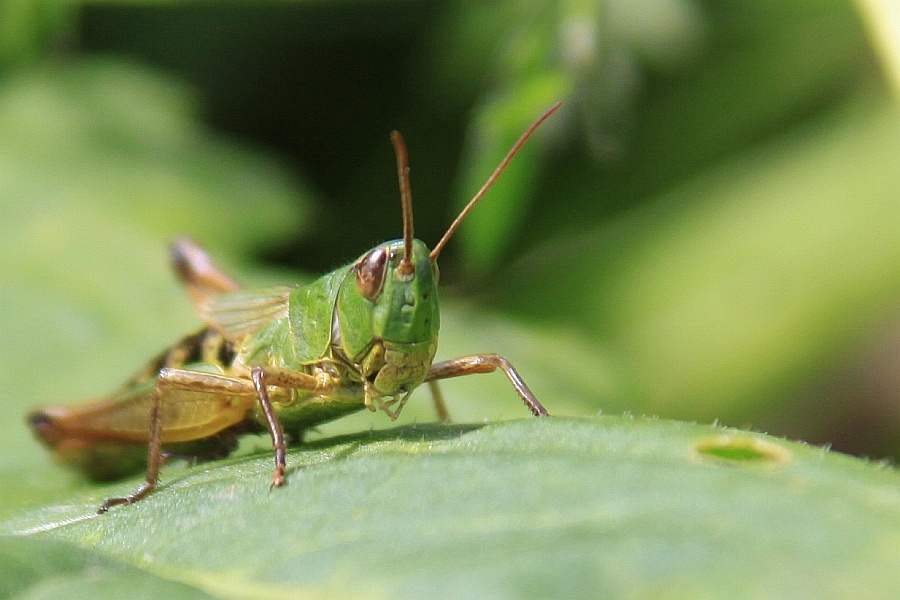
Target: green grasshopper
(281, 360)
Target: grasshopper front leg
(486, 363)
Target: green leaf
(37, 569)
(602, 507)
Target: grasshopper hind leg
(154, 461)
(234, 397)
(196, 271)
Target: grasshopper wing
(298, 321)
(241, 313)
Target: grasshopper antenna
(487, 184)
(406, 266)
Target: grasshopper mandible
(281, 360)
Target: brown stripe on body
(204, 346)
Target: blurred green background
(709, 229)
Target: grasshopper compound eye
(370, 273)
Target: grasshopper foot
(138, 495)
(278, 479)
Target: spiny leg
(486, 363)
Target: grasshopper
(281, 360)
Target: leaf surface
(608, 506)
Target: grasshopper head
(387, 315)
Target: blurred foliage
(708, 230)
(714, 209)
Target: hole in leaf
(741, 449)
